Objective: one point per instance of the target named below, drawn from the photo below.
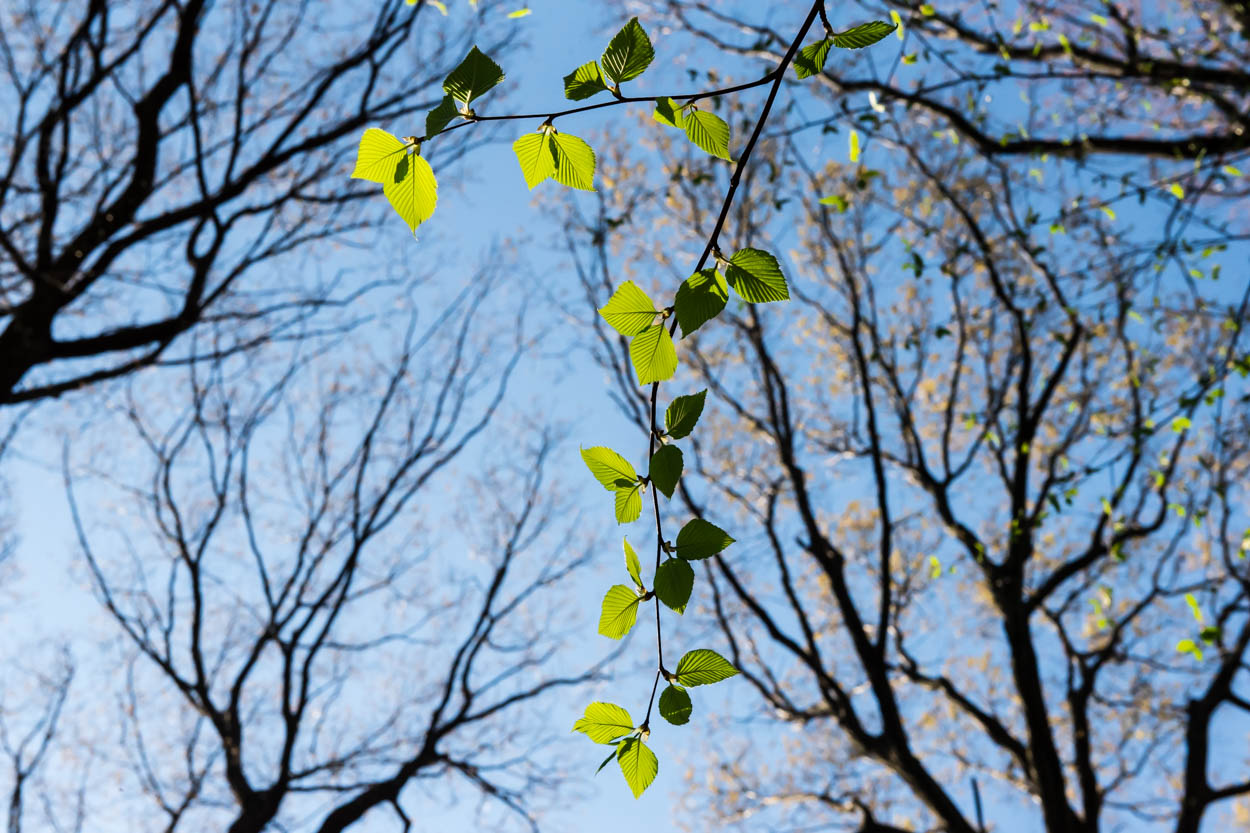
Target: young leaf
(683, 414)
(629, 53)
(638, 764)
(620, 610)
(703, 667)
(853, 150)
(709, 132)
(379, 155)
(609, 468)
(414, 192)
(628, 504)
(700, 298)
(632, 565)
(475, 75)
(811, 58)
(575, 161)
(675, 706)
(440, 116)
(604, 723)
(653, 355)
(607, 760)
(533, 151)
(665, 470)
(629, 311)
(668, 112)
(674, 581)
(756, 277)
(584, 82)
(700, 539)
(865, 34)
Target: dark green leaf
(609, 468)
(811, 58)
(703, 667)
(665, 471)
(629, 53)
(668, 112)
(674, 581)
(683, 414)
(865, 34)
(638, 764)
(653, 355)
(440, 116)
(709, 131)
(475, 75)
(700, 298)
(619, 612)
(756, 277)
(629, 311)
(700, 539)
(675, 706)
(584, 82)
(604, 723)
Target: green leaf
(1210, 634)
(584, 82)
(709, 132)
(475, 75)
(609, 468)
(853, 149)
(414, 192)
(379, 155)
(811, 58)
(700, 539)
(440, 117)
(628, 504)
(607, 760)
(653, 355)
(526, 12)
(638, 764)
(632, 566)
(665, 471)
(629, 311)
(604, 723)
(620, 611)
(675, 706)
(703, 667)
(700, 298)
(574, 160)
(839, 203)
(533, 151)
(668, 112)
(629, 53)
(756, 277)
(1188, 646)
(674, 581)
(683, 414)
(865, 34)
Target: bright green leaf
(638, 764)
(703, 667)
(674, 581)
(620, 611)
(811, 58)
(414, 192)
(683, 414)
(865, 34)
(1181, 423)
(668, 112)
(629, 311)
(440, 117)
(520, 13)
(609, 468)
(854, 146)
(756, 277)
(1177, 191)
(675, 706)
(653, 355)
(1188, 646)
(584, 82)
(604, 723)
(475, 75)
(631, 564)
(628, 504)
(839, 203)
(709, 131)
(629, 53)
(534, 153)
(574, 160)
(666, 465)
(378, 157)
(700, 298)
(1194, 608)
(898, 23)
(700, 539)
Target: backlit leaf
(631, 564)
(709, 131)
(683, 414)
(475, 75)
(440, 116)
(811, 58)
(584, 82)
(653, 355)
(628, 504)
(865, 34)
(629, 311)
(703, 667)
(638, 764)
(609, 468)
(574, 160)
(700, 298)
(533, 152)
(668, 112)
(619, 612)
(414, 192)
(675, 706)
(604, 723)
(628, 54)
(756, 277)
(700, 539)
(379, 155)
